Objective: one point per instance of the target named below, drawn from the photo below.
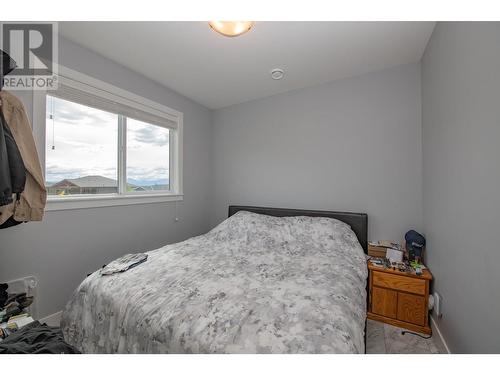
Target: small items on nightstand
(378, 249)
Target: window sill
(108, 200)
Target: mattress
(253, 284)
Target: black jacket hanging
(12, 170)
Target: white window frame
(104, 90)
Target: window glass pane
(147, 157)
(81, 149)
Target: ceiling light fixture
(277, 74)
(231, 28)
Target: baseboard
(53, 320)
(435, 328)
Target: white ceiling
(217, 71)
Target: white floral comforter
(254, 284)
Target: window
(81, 149)
(104, 144)
(147, 157)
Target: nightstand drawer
(406, 284)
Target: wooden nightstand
(399, 298)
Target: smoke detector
(277, 74)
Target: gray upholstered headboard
(357, 221)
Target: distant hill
(132, 181)
(162, 181)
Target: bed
(265, 280)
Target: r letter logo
(33, 47)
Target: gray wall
(351, 145)
(461, 169)
(67, 245)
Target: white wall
(461, 169)
(67, 245)
(349, 145)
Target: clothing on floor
(12, 304)
(36, 338)
(15, 305)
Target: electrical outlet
(438, 304)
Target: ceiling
(217, 71)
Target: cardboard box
(376, 251)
